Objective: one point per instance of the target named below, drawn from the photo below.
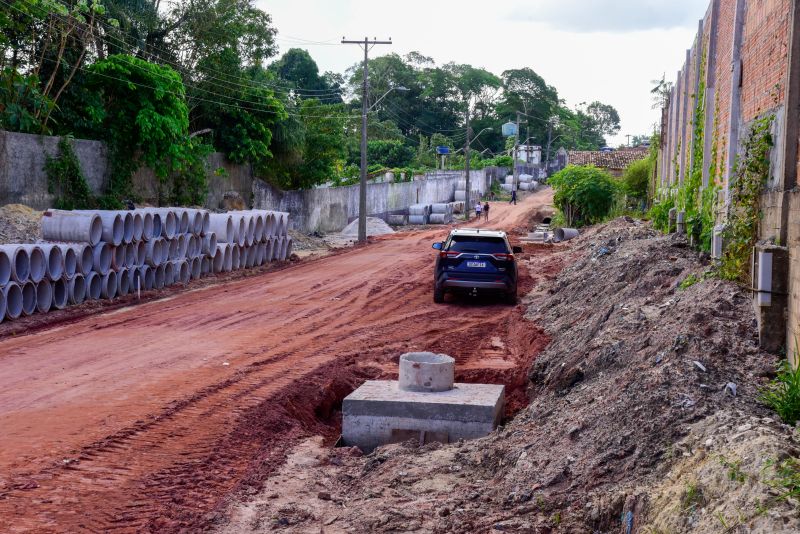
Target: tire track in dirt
(131, 421)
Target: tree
(605, 117)
(584, 194)
(390, 154)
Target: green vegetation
(735, 473)
(65, 179)
(782, 394)
(583, 194)
(750, 176)
(692, 498)
(787, 478)
(636, 179)
(689, 281)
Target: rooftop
(618, 159)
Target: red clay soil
(147, 417)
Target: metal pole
(466, 169)
(362, 190)
(514, 162)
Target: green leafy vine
(65, 179)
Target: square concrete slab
(379, 412)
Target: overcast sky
(607, 50)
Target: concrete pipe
(20, 261)
(196, 268)
(169, 273)
(197, 221)
(6, 266)
(206, 222)
(251, 230)
(235, 257)
(138, 226)
(269, 254)
(283, 229)
(218, 261)
(141, 252)
(438, 218)
(278, 249)
(159, 278)
(146, 277)
(147, 225)
(72, 259)
(258, 217)
(417, 219)
(123, 282)
(183, 272)
(284, 248)
(53, 259)
(102, 256)
(58, 225)
(252, 252)
(76, 289)
(269, 225)
(113, 226)
(127, 226)
(174, 249)
(94, 285)
(154, 252)
(2, 306)
(60, 294)
(169, 222)
(130, 255)
(222, 225)
(44, 296)
(288, 247)
(109, 285)
(441, 208)
(426, 372)
(38, 263)
(12, 294)
(205, 265)
(156, 224)
(118, 254)
(28, 298)
(208, 244)
(564, 234)
(183, 221)
(192, 248)
(259, 253)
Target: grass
(787, 478)
(735, 473)
(692, 497)
(782, 394)
(689, 281)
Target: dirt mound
(639, 370)
(19, 224)
(375, 226)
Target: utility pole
(629, 139)
(514, 162)
(549, 142)
(362, 194)
(466, 168)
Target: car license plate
(477, 264)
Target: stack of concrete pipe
(441, 214)
(419, 213)
(89, 255)
(460, 194)
(527, 182)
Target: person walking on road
(513, 197)
(478, 210)
(486, 211)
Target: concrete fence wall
(331, 209)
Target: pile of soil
(640, 405)
(375, 226)
(19, 224)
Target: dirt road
(148, 417)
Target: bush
(783, 393)
(390, 153)
(585, 194)
(636, 178)
(659, 214)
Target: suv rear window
(477, 244)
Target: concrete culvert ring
(148, 226)
(127, 227)
(95, 230)
(5, 268)
(426, 371)
(94, 286)
(169, 274)
(160, 276)
(141, 253)
(87, 260)
(123, 282)
(138, 226)
(38, 265)
(2, 306)
(70, 262)
(13, 299)
(44, 296)
(101, 258)
(60, 294)
(55, 262)
(108, 287)
(77, 289)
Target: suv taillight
(504, 257)
(448, 254)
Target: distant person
(513, 197)
(486, 211)
(478, 210)
(491, 195)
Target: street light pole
(362, 193)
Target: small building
(615, 162)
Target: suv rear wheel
(511, 298)
(438, 294)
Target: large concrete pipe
(564, 234)
(141, 252)
(283, 223)
(208, 244)
(113, 226)
(102, 256)
(138, 225)
(38, 263)
(94, 285)
(222, 226)
(130, 255)
(259, 253)
(156, 223)
(192, 248)
(118, 257)
(269, 225)
(288, 247)
(258, 218)
(82, 254)
(183, 221)
(251, 229)
(44, 296)
(71, 259)
(184, 272)
(240, 227)
(205, 265)
(28, 298)
(54, 261)
(277, 251)
(108, 285)
(250, 256)
(264, 248)
(183, 246)
(174, 249)
(72, 226)
(76, 288)
(123, 282)
(5, 267)
(146, 277)
(12, 294)
(169, 273)
(19, 261)
(196, 268)
(270, 255)
(154, 254)
(148, 225)
(60, 294)
(235, 257)
(426, 372)
(218, 260)
(127, 226)
(2, 306)
(206, 222)
(196, 221)
(159, 279)
(168, 220)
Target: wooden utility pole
(514, 162)
(362, 196)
